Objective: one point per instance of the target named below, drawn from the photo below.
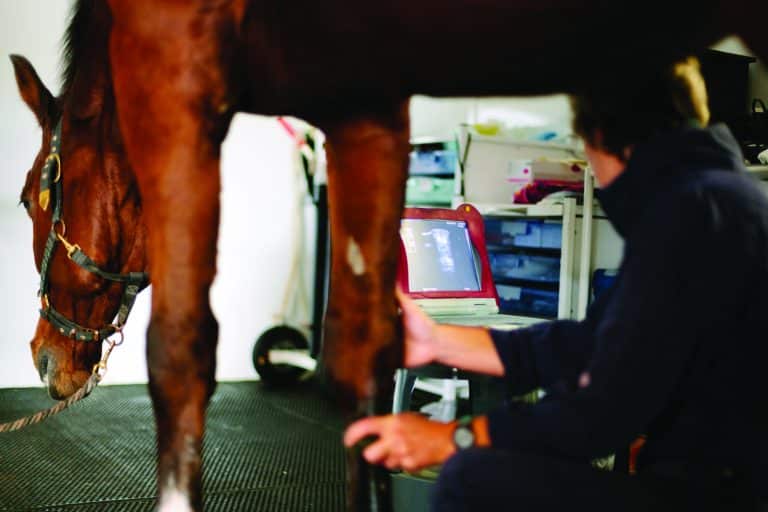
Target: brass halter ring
(55, 156)
(119, 332)
(63, 228)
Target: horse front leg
(367, 169)
(172, 104)
(181, 201)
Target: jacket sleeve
(662, 303)
(542, 354)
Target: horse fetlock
(179, 436)
(174, 497)
(173, 500)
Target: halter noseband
(134, 281)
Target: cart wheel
(282, 337)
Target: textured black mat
(264, 450)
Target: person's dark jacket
(677, 349)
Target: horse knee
(182, 351)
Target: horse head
(86, 213)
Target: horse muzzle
(59, 383)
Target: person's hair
(614, 118)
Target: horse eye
(25, 203)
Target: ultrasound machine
(444, 267)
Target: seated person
(674, 351)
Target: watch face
(463, 437)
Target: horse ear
(33, 91)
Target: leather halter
(134, 281)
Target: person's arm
(409, 441)
(546, 353)
(468, 348)
(528, 358)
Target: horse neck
(87, 97)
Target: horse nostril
(42, 366)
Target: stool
(485, 392)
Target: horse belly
(335, 57)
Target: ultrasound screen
(439, 255)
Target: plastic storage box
(542, 269)
(525, 301)
(533, 233)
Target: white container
(491, 161)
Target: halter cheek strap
(134, 281)
(46, 177)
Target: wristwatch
(463, 435)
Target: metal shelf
(538, 284)
(565, 211)
(512, 210)
(761, 171)
(521, 249)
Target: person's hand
(418, 331)
(406, 441)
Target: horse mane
(72, 42)
(85, 75)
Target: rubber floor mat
(276, 450)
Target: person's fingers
(408, 463)
(401, 296)
(377, 451)
(406, 303)
(362, 428)
(392, 462)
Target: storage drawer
(424, 190)
(534, 233)
(434, 162)
(543, 269)
(524, 301)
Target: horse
(130, 161)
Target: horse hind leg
(367, 169)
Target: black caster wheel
(281, 337)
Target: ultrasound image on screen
(439, 255)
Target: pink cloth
(536, 191)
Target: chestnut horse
(150, 89)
